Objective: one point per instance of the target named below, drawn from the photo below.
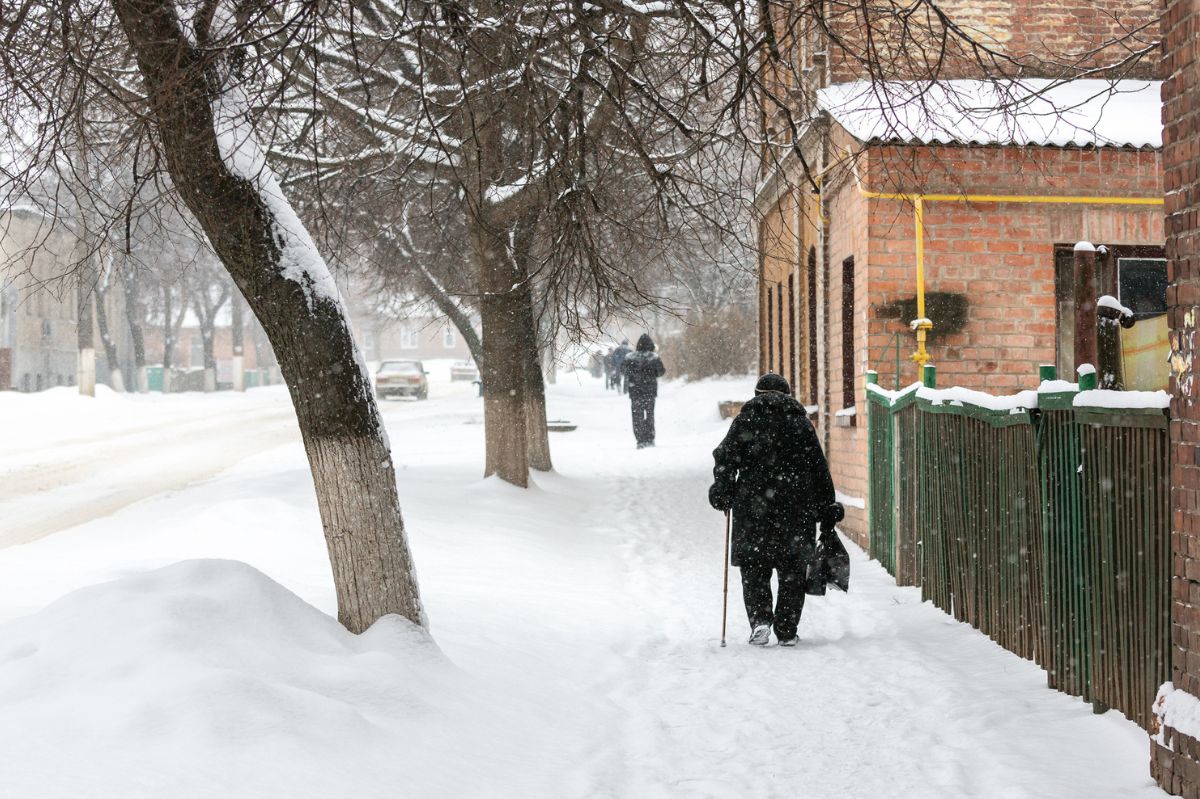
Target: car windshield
(399, 368)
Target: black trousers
(643, 418)
(756, 591)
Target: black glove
(720, 498)
(831, 515)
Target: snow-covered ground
(575, 631)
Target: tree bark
(106, 340)
(536, 432)
(237, 334)
(172, 324)
(85, 329)
(206, 312)
(503, 368)
(133, 306)
(241, 214)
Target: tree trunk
(258, 236)
(110, 348)
(85, 329)
(536, 432)
(535, 405)
(238, 336)
(206, 312)
(503, 367)
(133, 315)
(168, 335)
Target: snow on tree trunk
(214, 161)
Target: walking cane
(725, 598)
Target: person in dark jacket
(771, 473)
(619, 356)
(641, 370)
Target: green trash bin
(250, 376)
(154, 378)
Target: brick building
(1006, 176)
(1175, 750)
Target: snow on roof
(1040, 112)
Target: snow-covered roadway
(578, 624)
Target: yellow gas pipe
(921, 324)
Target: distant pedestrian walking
(611, 374)
(619, 356)
(771, 473)
(641, 370)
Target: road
(58, 475)
(49, 488)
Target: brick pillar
(1175, 762)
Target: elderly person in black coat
(641, 369)
(771, 473)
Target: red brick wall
(1177, 769)
(1000, 255)
(1046, 36)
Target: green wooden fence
(1043, 520)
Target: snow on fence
(1042, 519)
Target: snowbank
(211, 678)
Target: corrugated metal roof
(1039, 112)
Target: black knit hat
(772, 382)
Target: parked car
(401, 379)
(464, 370)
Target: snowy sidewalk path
(884, 696)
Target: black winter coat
(642, 370)
(770, 471)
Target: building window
(369, 345)
(770, 327)
(408, 338)
(1142, 285)
(848, 334)
(449, 338)
(812, 324)
(1138, 281)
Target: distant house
(402, 330)
(38, 315)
